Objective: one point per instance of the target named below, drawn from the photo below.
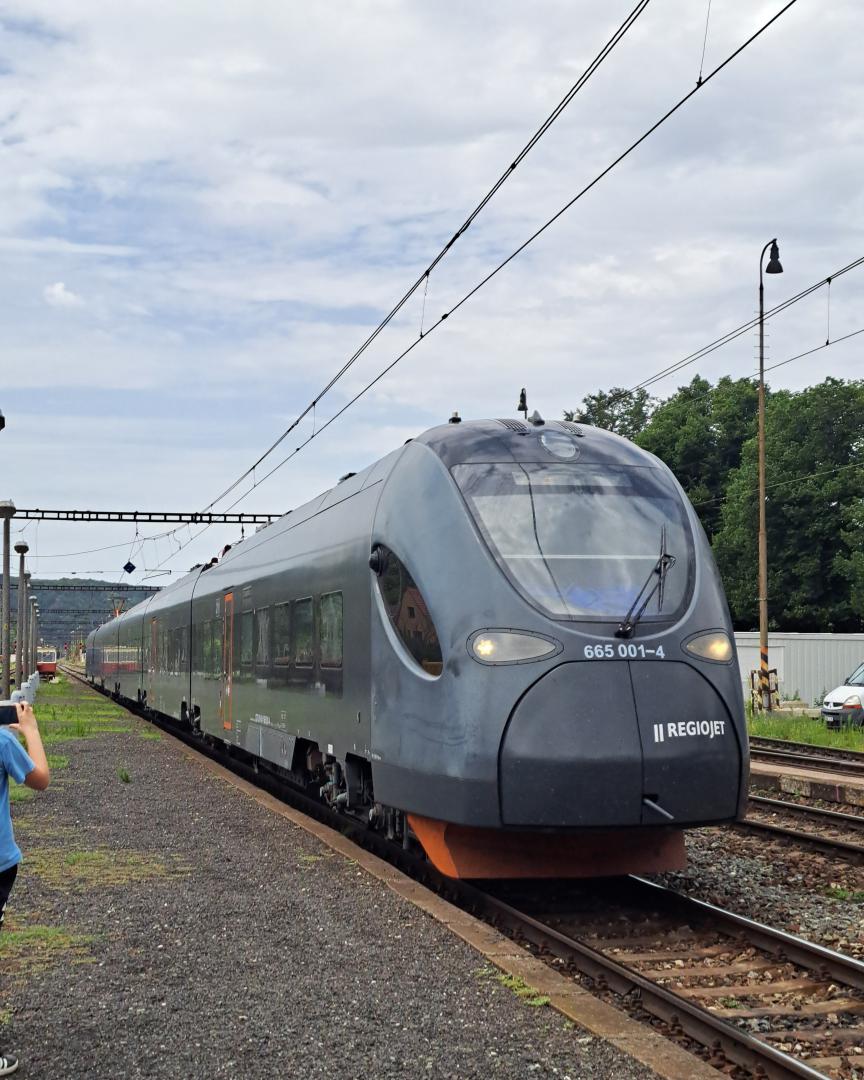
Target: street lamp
(773, 267)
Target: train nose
(612, 743)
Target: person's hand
(26, 719)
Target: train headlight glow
(714, 646)
(510, 647)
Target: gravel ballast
(166, 925)
(778, 883)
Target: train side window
(330, 624)
(304, 644)
(244, 654)
(408, 613)
(281, 642)
(216, 658)
(262, 633)
(331, 630)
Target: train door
(225, 703)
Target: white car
(844, 704)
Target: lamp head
(774, 266)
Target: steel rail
(841, 753)
(680, 1013)
(817, 762)
(824, 845)
(711, 1031)
(817, 813)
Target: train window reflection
(408, 613)
(304, 644)
(331, 630)
(580, 540)
(282, 635)
(262, 626)
(247, 644)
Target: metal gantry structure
(161, 517)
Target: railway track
(756, 998)
(837, 834)
(806, 755)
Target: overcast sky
(205, 208)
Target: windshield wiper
(660, 568)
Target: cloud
(241, 214)
(57, 295)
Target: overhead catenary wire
(787, 483)
(537, 233)
(703, 395)
(731, 335)
(423, 279)
(487, 278)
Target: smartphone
(8, 714)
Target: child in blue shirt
(28, 767)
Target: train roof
(463, 442)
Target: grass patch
(797, 727)
(5, 1017)
(149, 733)
(57, 761)
(523, 991)
(27, 949)
(837, 892)
(18, 793)
(59, 688)
(124, 775)
(76, 871)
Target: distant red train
(46, 661)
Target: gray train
(507, 641)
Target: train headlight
(714, 646)
(852, 702)
(511, 646)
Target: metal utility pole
(773, 267)
(26, 630)
(34, 633)
(21, 646)
(7, 511)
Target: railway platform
(809, 781)
(167, 923)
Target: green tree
(815, 525)
(699, 433)
(623, 411)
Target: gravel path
(165, 925)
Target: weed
(837, 892)
(310, 858)
(730, 1003)
(523, 991)
(5, 1017)
(20, 793)
(149, 733)
(81, 869)
(123, 773)
(57, 761)
(33, 948)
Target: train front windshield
(579, 540)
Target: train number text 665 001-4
(623, 651)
